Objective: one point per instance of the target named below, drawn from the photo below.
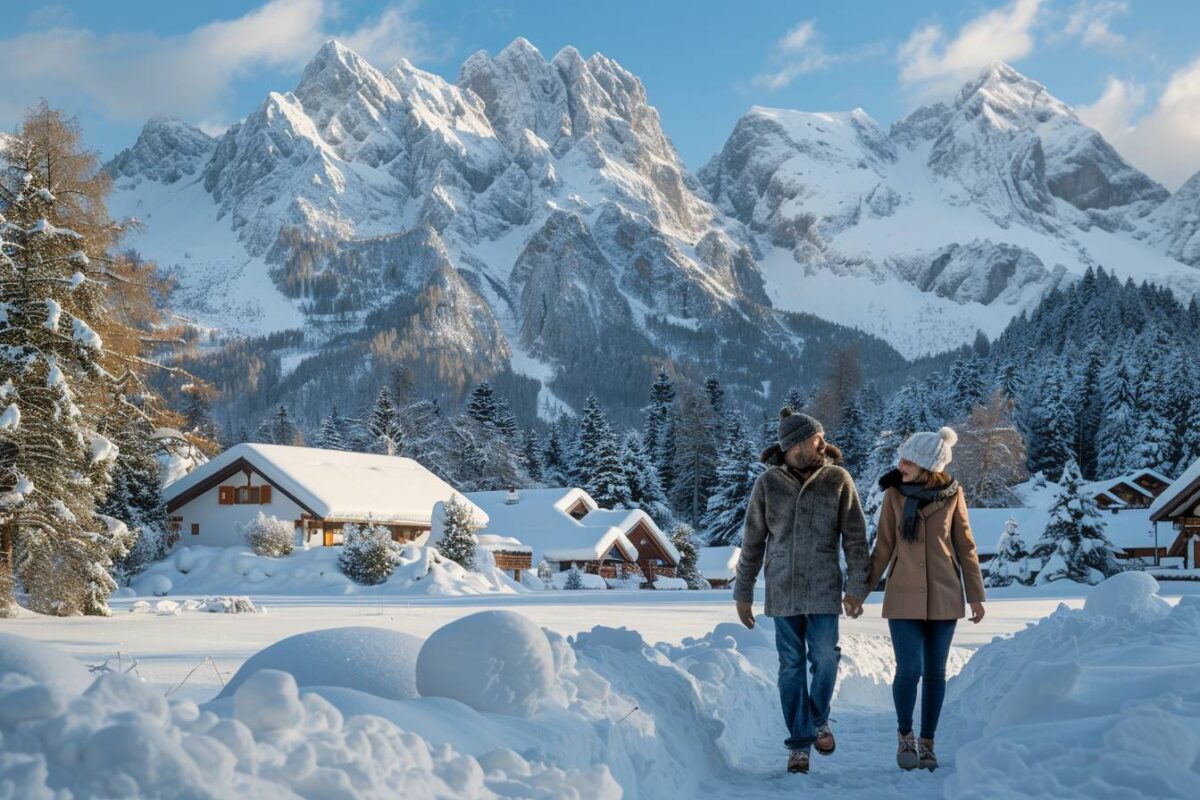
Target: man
(800, 510)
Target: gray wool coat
(796, 529)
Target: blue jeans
(812, 638)
(921, 647)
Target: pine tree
(1052, 427)
(366, 557)
(599, 468)
(530, 457)
(645, 492)
(1073, 545)
(695, 456)
(384, 426)
(283, 430)
(54, 466)
(554, 467)
(458, 533)
(1089, 412)
(1118, 431)
(737, 470)
(797, 400)
(659, 437)
(855, 436)
(330, 435)
(684, 540)
(403, 383)
(1011, 562)
(574, 580)
(491, 412)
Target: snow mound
(378, 661)
(41, 664)
(1082, 704)
(493, 661)
(232, 571)
(121, 738)
(1125, 595)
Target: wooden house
(1179, 506)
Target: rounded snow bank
(378, 661)
(41, 663)
(493, 661)
(1126, 595)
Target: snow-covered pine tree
(554, 466)
(458, 533)
(1073, 545)
(737, 470)
(855, 436)
(383, 425)
(403, 385)
(797, 400)
(477, 459)
(491, 411)
(530, 458)
(683, 537)
(574, 580)
(1119, 428)
(366, 557)
(659, 433)
(599, 468)
(330, 435)
(1012, 559)
(544, 574)
(716, 400)
(1052, 425)
(283, 430)
(967, 385)
(645, 492)
(54, 466)
(695, 456)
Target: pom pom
(785, 412)
(948, 436)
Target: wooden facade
(1182, 509)
(514, 561)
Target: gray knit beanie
(795, 427)
(929, 450)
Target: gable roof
(540, 518)
(1180, 496)
(330, 484)
(1096, 489)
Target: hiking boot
(925, 755)
(798, 761)
(825, 743)
(906, 751)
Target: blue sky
(1131, 68)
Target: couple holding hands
(805, 509)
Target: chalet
(718, 565)
(566, 528)
(320, 491)
(1179, 505)
(1135, 490)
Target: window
(244, 495)
(174, 524)
(195, 529)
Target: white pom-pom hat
(929, 450)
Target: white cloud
(1090, 22)
(130, 76)
(933, 64)
(1165, 142)
(796, 53)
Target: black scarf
(916, 496)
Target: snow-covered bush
(150, 544)
(683, 539)
(1012, 559)
(544, 574)
(269, 536)
(1074, 545)
(366, 556)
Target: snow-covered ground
(706, 723)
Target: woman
(924, 543)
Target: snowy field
(1085, 703)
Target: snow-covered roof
(504, 544)
(718, 563)
(336, 484)
(1182, 494)
(1126, 529)
(541, 519)
(1105, 487)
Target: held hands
(745, 612)
(853, 606)
(977, 612)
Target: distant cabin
(1135, 490)
(718, 565)
(319, 491)
(1179, 506)
(567, 528)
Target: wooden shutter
(264, 494)
(225, 497)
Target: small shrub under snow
(366, 556)
(269, 536)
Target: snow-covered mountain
(956, 219)
(534, 217)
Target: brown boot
(825, 742)
(798, 761)
(906, 751)
(925, 755)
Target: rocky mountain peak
(166, 150)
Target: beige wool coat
(926, 578)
